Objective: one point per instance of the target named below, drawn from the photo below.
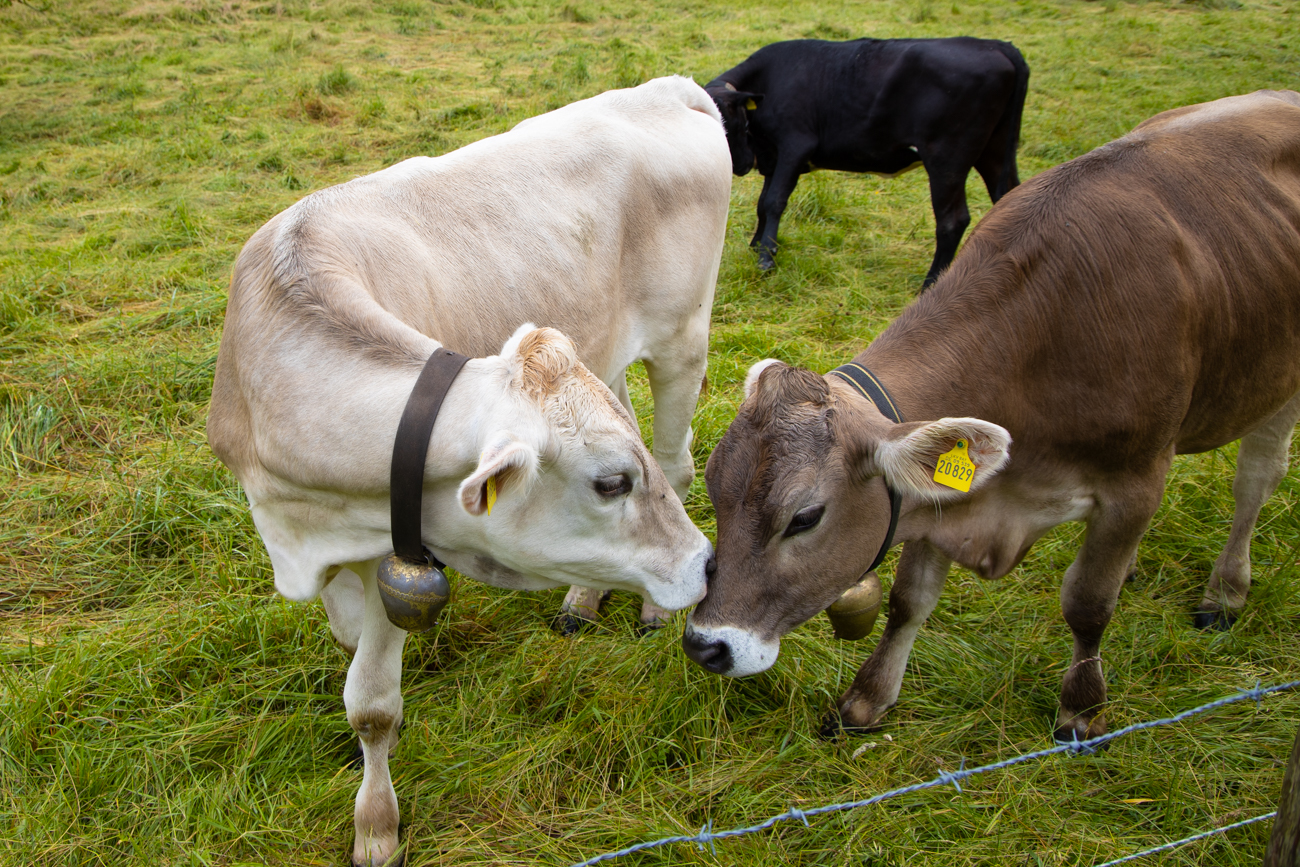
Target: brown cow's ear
(507, 465)
(908, 454)
(756, 371)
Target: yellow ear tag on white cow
(954, 468)
(491, 493)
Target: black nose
(710, 568)
(714, 655)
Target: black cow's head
(734, 106)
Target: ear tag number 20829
(954, 468)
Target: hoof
(569, 624)
(1219, 621)
(398, 860)
(1064, 736)
(645, 629)
(833, 727)
(766, 263)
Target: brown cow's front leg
(373, 698)
(918, 581)
(1090, 592)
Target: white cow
(603, 219)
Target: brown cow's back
(1079, 257)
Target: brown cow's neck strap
(411, 449)
(865, 383)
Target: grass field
(160, 705)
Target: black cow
(876, 105)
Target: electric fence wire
(707, 836)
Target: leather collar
(865, 383)
(411, 448)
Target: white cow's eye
(613, 486)
(805, 520)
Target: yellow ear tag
(492, 492)
(751, 105)
(954, 468)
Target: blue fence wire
(707, 836)
(1192, 839)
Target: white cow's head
(566, 491)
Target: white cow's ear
(908, 454)
(508, 465)
(511, 347)
(751, 378)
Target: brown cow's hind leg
(1261, 465)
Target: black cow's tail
(1008, 128)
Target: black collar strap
(865, 383)
(411, 448)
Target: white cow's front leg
(580, 608)
(373, 698)
(344, 598)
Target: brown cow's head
(734, 106)
(799, 486)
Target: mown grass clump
(160, 704)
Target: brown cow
(1136, 303)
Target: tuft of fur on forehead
(570, 395)
(545, 357)
(781, 389)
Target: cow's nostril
(713, 654)
(710, 568)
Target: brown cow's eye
(804, 520)
(613, 486)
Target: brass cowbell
(854, 614)
(414, 593)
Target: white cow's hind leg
(582, 604)
(652, 616)
(373, 698)
(675, 382)
(1261, 465)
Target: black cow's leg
(762, 221)
(993, 171)
(771, 204)
(951, 216)
(1091, 590)
(997, 164)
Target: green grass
(159, 704)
